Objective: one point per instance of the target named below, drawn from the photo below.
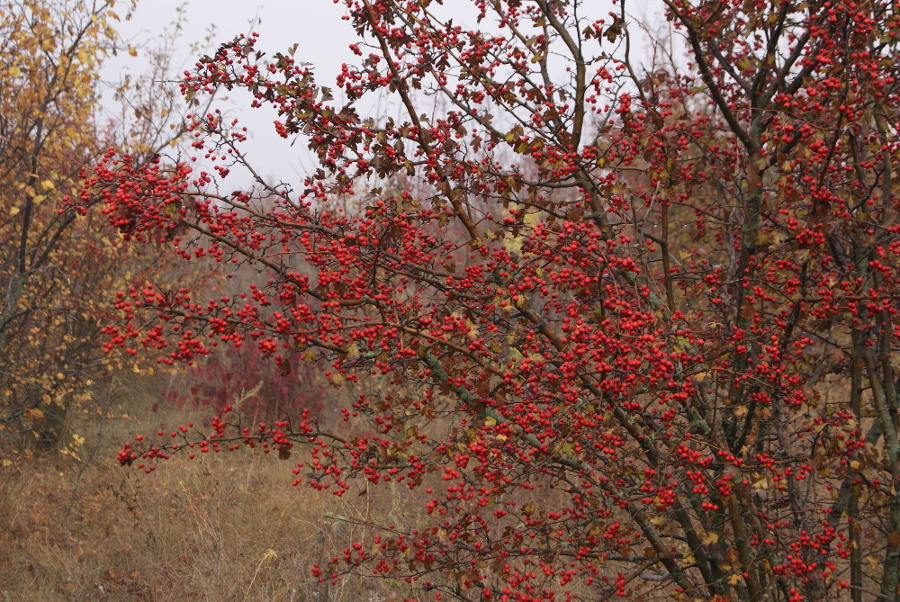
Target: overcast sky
(315, 25)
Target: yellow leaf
(709, 538)
(14, 212)
(442, 536)
(48, 185)
(15, 71)
(132, 52)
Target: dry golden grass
(222, 527)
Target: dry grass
(221, 527)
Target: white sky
(315, 25)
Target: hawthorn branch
(580, 69)
(449, 192)
(712, 86)
(581, 468)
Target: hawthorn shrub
(643, 318)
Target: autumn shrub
(60, 265)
